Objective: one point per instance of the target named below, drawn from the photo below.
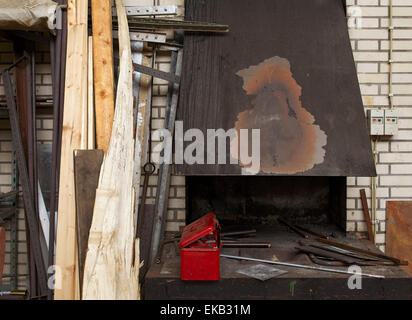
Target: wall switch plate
(376, 124)
(391, 122)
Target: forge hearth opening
(260, 200)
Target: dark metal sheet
(285, 67)
(399, 231)
(87, 164)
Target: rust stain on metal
(399, 231)
(291, 142)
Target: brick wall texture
(370, 45)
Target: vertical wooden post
(103, 71)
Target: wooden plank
(103, 71)
(87, 164)
(367, 215)
(302, 97)
(398, 231)
(75, 101)
(112, 261)
(2, 249)
(90, 101)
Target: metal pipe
(302, 266)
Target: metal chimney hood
(285, 67)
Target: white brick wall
(371, 52)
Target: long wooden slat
(112, 261)
(103, 71)
(75, 101)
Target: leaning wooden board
(75, 102)
(399, 231)
(2, 249)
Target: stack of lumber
(109, 268)
(112, 262)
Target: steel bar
(235, 244)
(156, 73)
(148, 23)
(55, 57)
(162, 195)
(314, 233)
(238, 233)
(27, 195)
(148, 10)
(367, 216)
(145, 36)
(340, 251)
(14, 225)
(296, 230)
(350, 248)
(303, 266)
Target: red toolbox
(200, 249)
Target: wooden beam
(112, 261)
(103, 71)
(75, 101)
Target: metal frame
(162, 195)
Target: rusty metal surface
(286, 67)
(399, 231)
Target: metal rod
(238, 233)
(302, 266)
(293, 228)
(27, 195)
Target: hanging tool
(302, 266)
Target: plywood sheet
(399, 231)
(285, 67)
